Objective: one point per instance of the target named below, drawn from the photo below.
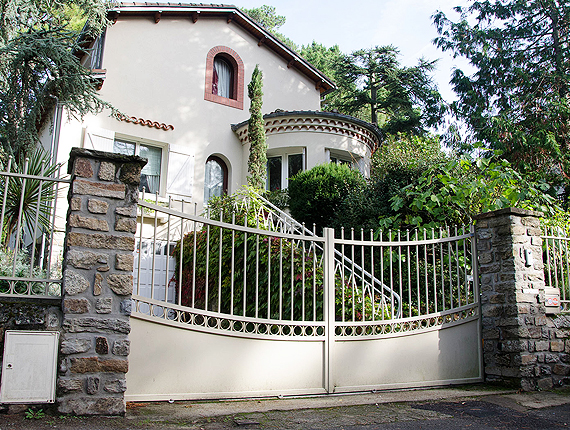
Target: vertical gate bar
(292, 279)
(281, 275)
(548, 258)
(557, 250)
(449, 251)
(20, 215)
(220, 262)
(465, 262)
(232, 267)
(303, 278)
(153, 267)
(382, 271)
(363, 286)
(269, 239)
(391, 274)
(257, 270)
(36, 220)
(54, 209)
(352, 283)
(166, 283)
(206, 286)
(194, 251)
(418, 275)
(313, 244)
(566, 285)
(401, 280)
(343, 285)
(372, 276)
(329, 308)
(441, 268)
(140, 248)
(409, 275)
(245, 266)
(6, 184)
(458, 271)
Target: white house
(179, 72)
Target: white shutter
(99, 139)
(180, 175)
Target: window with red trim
(224, 77)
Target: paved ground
(471, 407)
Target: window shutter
(180, 176)
(99, 139)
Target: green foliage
(257, 163)
(328, 61)
(399, 99)
(399, 162)
(18, 265)
(452, 192)
(316, 194)
(35, 195)
(267, 17)
(39, 66)
(517, 98)
(32, 414)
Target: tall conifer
(257, 163)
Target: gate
(246, 302)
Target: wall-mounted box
(29, 367)
(552, 300)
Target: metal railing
(556, 258)
(248, 272)
(32, 232)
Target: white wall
(157, 72)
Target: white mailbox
(29, 367)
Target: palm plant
(26, 201)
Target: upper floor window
(150, 174)
(224, 77)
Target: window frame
(284, 154)
(137, 141)
(232, 57)
(225, 170)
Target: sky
(360, 24)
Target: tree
(267, 17)
(257, 163)
(327, 61)
(397, 99)
(40, 66)
(517, 98)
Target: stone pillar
(98, 282)
(522, 345)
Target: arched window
(224, 77)
(215, 178)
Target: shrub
(315, 195)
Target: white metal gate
(256, 306)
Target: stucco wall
(156, 71)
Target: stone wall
(522, 345)
(97, 282)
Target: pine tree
(40, 66)
(257, 163)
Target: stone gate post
(98, 282)
(522, 345)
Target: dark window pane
(274, 173)
(295, 164)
